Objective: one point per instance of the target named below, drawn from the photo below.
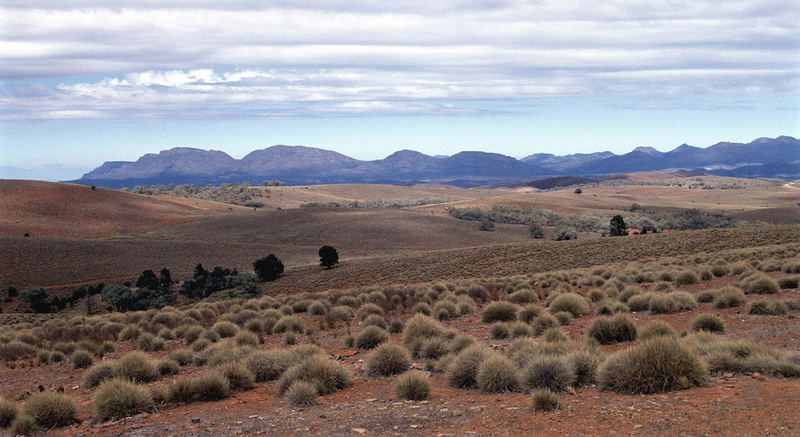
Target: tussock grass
(388, 359)
(117, 398)
(543, 400)
(412, 386)
(50, 409)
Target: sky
(83, 82)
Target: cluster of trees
(237, 194)
(153, 290)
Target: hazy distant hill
(763, 157)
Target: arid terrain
(469, 312)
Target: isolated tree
(328, 256)
(617, 227)
(35, 297)
(165, 279)
(578, 191)
(119, 297)
(536, 230)
(268, 268)
(486, 225)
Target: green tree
(268, 268)
(148, 279)
(617, 227)
(328, 256)
(36, 298)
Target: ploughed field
(428, 326)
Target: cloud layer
(203, 59)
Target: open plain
(467, 311)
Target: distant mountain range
(298, 165)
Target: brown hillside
(73, 211)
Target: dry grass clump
(542, 323)
(238, 375)
(707, 322)
(501, 311)
(766, 307)
(741, 356)
(50, 409)
(302, 394)
(499, 330)
(149, 342)
(674, 302)
(181, 356)
(326, 375)
(523, 296)
(687, 277)
(367, 310)
(388, 359)
(374, 320)
(97, 374)
(543, 400)
(728, 297)
(572, 303)
(8, 412)
(418, 329)
(584, 363)
(608, 330)
(136, 366)
(413, 386)
(117, 398)
(212, 386)
(16, 350)
(528, 312)
(168, 367)
(497, 374)
(23, 425)
(554, 372)
(371, 337)
(81, 359)
(288, 323)
(789, 283)
(759, 284)
(463, 370)
(655, 329)
(657, 365)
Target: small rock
(415, 426)
(638, 426)
(372, 399)
(728, 375)
(252, 416)
(759, 376)
(359, 430)
(196, 420)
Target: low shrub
(518, 329)
(707, 322)
(16, 350)
(81, 359)
(655, 329)
(728, 297)
(788, 283)
(117, 398)
(23, 425)
(528, 312)
(543, 400)
(497, 374)
(182, 356)
(212, 386)
(168, 367)
(326, 375)
(97, 374)
(182, 390)
(374, 320)
(137, 367)
(419, 328)
(302, 394)
(740, 356)
(760, 284)
(584, 363)
(413, 386)
(608, 330)
(564, 317)
(657, 365)
(542, 323)
(501, 311)
(238, 375)
(288, 323)
(764, 307)
(572, 303)
(463, 370)
(388, 359)
(149, 342)
(523, 296)
(8, 412)
(687, 277)
(371, 337)
(548, 371)
(499, 330)
(50, 409)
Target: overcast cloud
(204, 59)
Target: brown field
(397, 259)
